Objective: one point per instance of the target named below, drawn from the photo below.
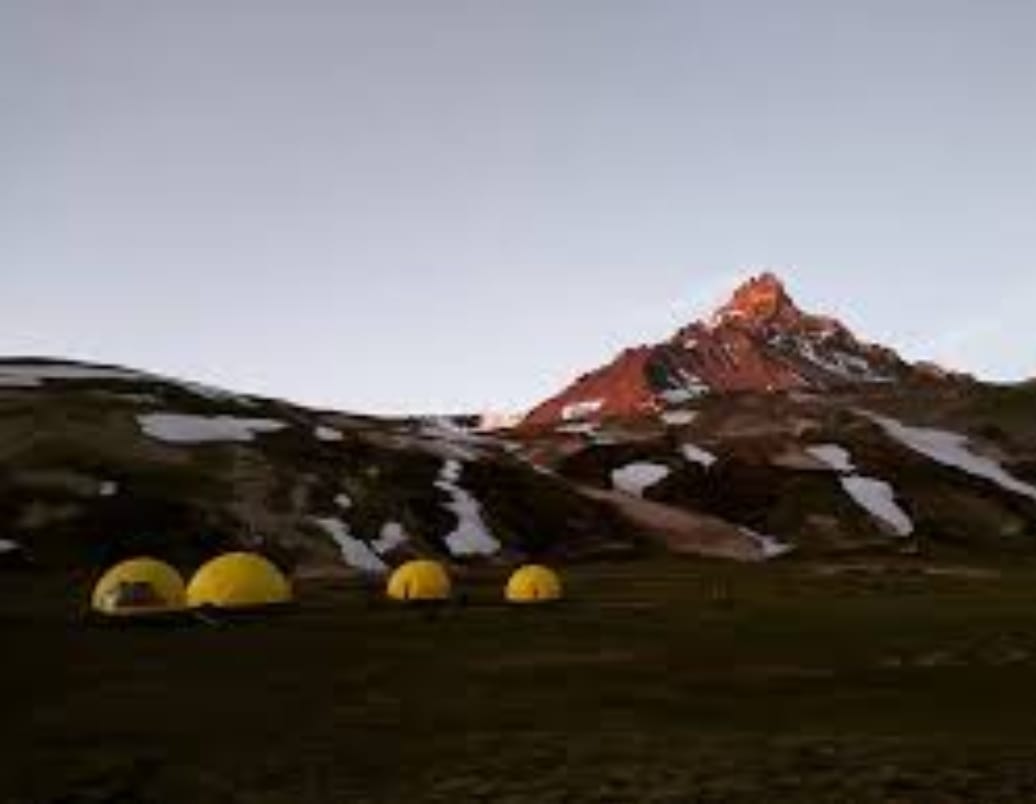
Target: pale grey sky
(431, 205)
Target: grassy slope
(668, 681)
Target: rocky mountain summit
(758, 341)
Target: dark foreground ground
(655, 682)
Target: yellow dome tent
(139, 586)
(419, 580)
(238, 580)
(533, 583)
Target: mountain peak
(760, 340)
(759, 300)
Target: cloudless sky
(444, 205)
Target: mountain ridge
(759, 340)
(758, 431)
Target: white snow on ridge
(356, 552)
(325, 433)
(471, 536)
(443, 448)
(445, 428)
(634, 478)
(695, 454)
(7, 546)
(677, 418)
(721, 317)
(769, 546)
(577, 428)
(677, 396)
(951, 449)
(582, 409)
(838, 458)
(850, 367)
(185, 428)
(875, 496)
(497, 420)
(343, 501)
(878, 498)
(108, 488)
(692, 388)
(36, 373)
(392, 536)
(444, 438)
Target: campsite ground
(656, 681)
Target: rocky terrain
(760, 433)
(99, 462)
(938, 469)
(765, 430)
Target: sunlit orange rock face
(758, 341)
(621, 388)
(761, 300)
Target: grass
(656, 681)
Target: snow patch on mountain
(695, 454)
(577, 428)
(581, 409)
(187, 428)
(108, 488)
(392, 535)
(838, 458)
(769, 546)
(846, 366)
(678, 396)
(37, 373)
(678, 418)
(951, 449)
(7, 546)
(471, 536)
(875, 496)
(878, 498)
(497, 420)
(330, 434)
(355, 552)
(635, 478)
(446, 439)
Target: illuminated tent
(533, 583)
(419, 580)
(238, 580)
(139, 586)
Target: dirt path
(681, 530)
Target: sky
(458, 205)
